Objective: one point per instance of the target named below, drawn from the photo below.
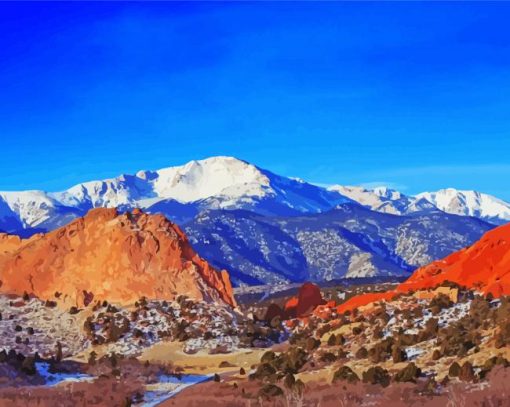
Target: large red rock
(308, 298)
(484, 266)
(111, 256)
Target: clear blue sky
(415, 95)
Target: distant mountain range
(263, 227)
(450, 200)
(178, 192)
(348, 241)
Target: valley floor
(442, 347)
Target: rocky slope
(482, 267)
(349, 241)
(107, 255)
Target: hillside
(107, 255)
(349, 241)
(483, 267)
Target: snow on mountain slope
(384, 199)
(470, 203)
(32, 210)
(349, 241)
(226, 176)
(178, 192)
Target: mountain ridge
(182, 192)
(470, 203)
(348, 241)
(213, 183)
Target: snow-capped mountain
(383, 199)
(470, 203)
(33, 211)
(178, 192)
(264, 227)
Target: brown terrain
(110, 256)
(124, 299)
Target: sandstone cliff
(110, 256)
(484, 266)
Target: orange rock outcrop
(484, 266)
(308, 298)
(110, 256)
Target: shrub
(378, 333)
(345, 373)
(268, 357)
(439, 302)
(292, 360)
(429, 331)
(312, 343)
(361, 353)
(398, 354)
(381, 350)
(73, 310)
(454, 370)
(264, 372)
(28, 365)
(436, 355)
(289, 381)
(270, 390)
(332, 340)
(92, 358)
(408, 374)
(491, 363)
(328, 357)
(376, 375)
(467, 372)
(458, 338)
(357, 330)
(406, 339)
(502, 337)
(50, 304)
(479, 309)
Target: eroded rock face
(107, 255)
(308, 298)
(483, 266)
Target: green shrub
(377, 375)
(345, 373)
(408, 374)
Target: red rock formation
(273, 311)
(484, 266)
(364, 299)
(308, 298)
(117, 257)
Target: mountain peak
(383, 199)
(469, 203)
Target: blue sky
(414, 95)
